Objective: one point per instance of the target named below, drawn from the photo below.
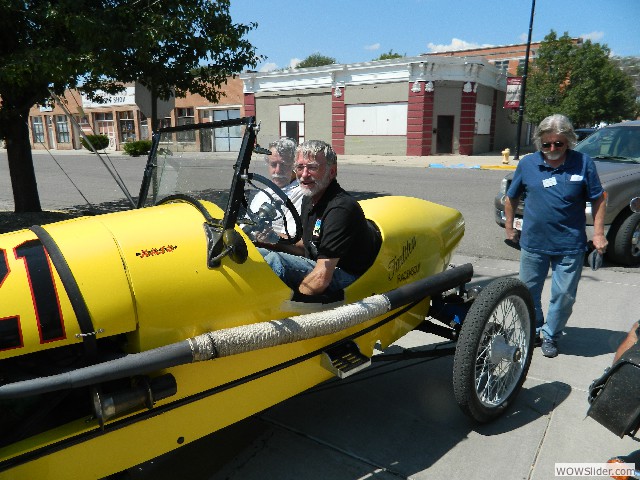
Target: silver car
(616, 152)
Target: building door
(51, 130)
(106, 126)
(444, 134)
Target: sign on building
(125, 97)
(514, 89)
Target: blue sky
(354, 31)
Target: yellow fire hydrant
(505, 155)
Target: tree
(580, 81)
(389, 55)
(170, 47)
(316, 60)
(631, 66)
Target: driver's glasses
(311, 167)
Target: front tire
(625, 240)
(494, 349)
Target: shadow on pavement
(590, 342)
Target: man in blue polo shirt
(556, 183)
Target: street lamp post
(524, 83)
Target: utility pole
(524, 83)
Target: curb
(498, 167)
(477, 167)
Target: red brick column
(419, 121)
(249, 104)
(467, 122)
(338, 120)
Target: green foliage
(389, 55)
(139, 147)
(580, 81)
(316, 60)
(167, 46)
(99, 142)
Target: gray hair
(556, 124)
(311, 148)
(286, 148)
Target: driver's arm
(295, 249)
(319, 278)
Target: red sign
(514, 88)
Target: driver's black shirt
(336, 228)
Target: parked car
(616, 152)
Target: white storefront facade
(408, 106)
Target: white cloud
(373, 46)
(269, 67)
(456, 44)
(593, 36)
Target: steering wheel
(270, 211)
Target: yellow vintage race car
(126, 335)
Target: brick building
(122, 119)
(506, 58)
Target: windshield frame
(241, 165)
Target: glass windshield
(201, 160)
(613, 143)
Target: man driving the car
(338, 244)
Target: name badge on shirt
(549, 182)
(575, 178)
(316, 228)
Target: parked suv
(616, 152)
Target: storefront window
(127, 127)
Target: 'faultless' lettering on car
(396, 262)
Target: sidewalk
(491, 161)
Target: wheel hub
(500, 350)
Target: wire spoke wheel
(494, 349)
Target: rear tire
(624, 239)
(494, 349)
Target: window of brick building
(184, 116)
(62, 129)
(502, 65)
(37, 128)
